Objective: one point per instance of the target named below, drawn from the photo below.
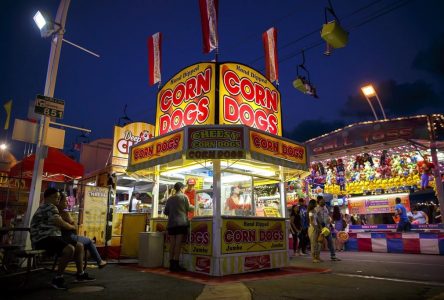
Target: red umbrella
(57, 167)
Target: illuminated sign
(376, 204)
(129, 135)
(268, 145)
(160, 147)
(252, 235)
(368, 133)
(215, 143)
(187, 99)
(247, 97)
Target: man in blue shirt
(404, 223)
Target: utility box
(151, 249)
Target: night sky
(397, 45)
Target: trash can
(151, 249)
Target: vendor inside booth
(234, 167)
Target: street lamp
(51, 76)
(369, 92)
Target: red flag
(269, 38)
(155, 57)
(208, 16)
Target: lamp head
(44, 24)
(368, 90)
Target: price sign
(50, 107)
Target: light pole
(51, 76)
(369, 91)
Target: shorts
(178, 230)
(53, 244)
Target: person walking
(71, 235)
(177, 208)
(324, 221)
(338, 221)
(313, 232)
(303, 234)
(400, 211)
(46, 225)
(295, 226)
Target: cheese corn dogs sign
(246, 97)
(252, 235)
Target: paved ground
(357, 276)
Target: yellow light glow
(3, 146)
(368, 90)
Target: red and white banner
(269, 38)
(208, 15)
(155, 57)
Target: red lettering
(165, 100)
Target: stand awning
(57, 167)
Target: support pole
(42, 150)
(373, 109)
(217, 213)
(155, 204)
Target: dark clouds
(312, 128)
(398, 99)
(432, 58)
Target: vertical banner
(208, 15)
(269, 39)
(155, 57)
(94, 214)
(7, 106)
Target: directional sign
(50, 107)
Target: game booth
(219, 131)
(365, 166)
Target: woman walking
(313, 232)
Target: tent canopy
(57, 167)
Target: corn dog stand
(239, 164)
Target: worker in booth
(190, 192)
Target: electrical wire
(387, 9)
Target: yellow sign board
(187, 99)
(247, 97)
(271, 146)
(94, 213)
(252, 235)
(201, 237)
(160, 147)
(129, 135)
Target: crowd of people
(313, 225)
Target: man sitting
(46, 225)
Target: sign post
(41, 151)
(50, 107)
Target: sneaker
(59, 283)
(102, 264)
(316, 261)
(334, 258)
(84, 278)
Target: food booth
(219, 124)
(106, 190)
